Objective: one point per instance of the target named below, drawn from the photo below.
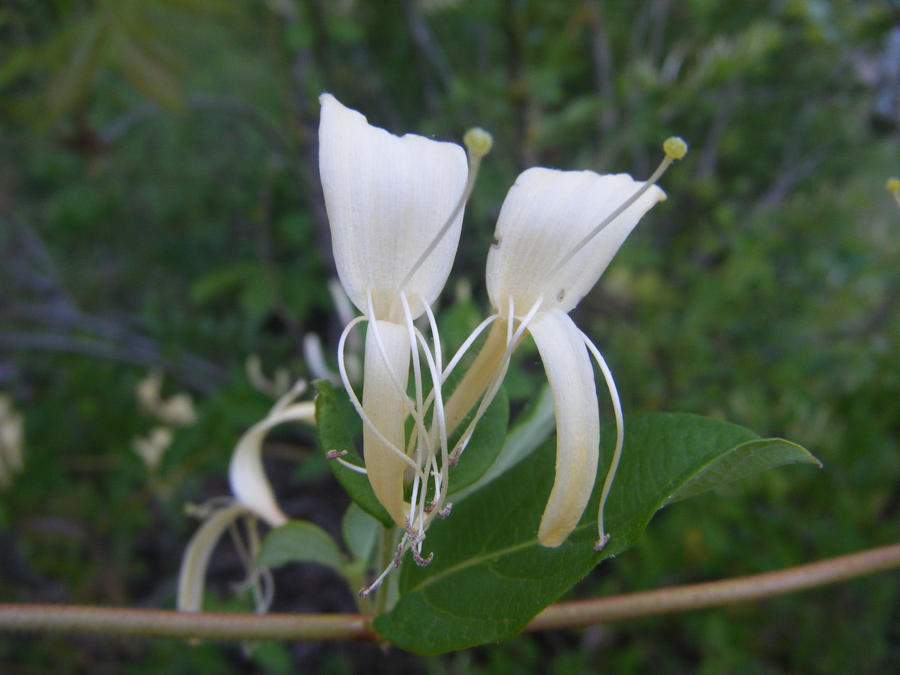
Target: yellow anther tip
(675, 147)
(893, 185)
(478, 141)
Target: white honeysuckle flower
(253, 499)
(246, 474)
(534, 268)
(543, 218)
(12, 433)
(177, 410)
(387, 197)
(395, 207)
(152, 447)
(556, 233)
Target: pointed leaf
(742, 462)
(490, 575)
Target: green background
(160, 207)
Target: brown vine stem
(162, 623)
(716, 593)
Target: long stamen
(497, 380)
(440, 479)
(464, 348)
(461, 352)
(675, 148)
(349, 465)
(354, 399)
(478, 142)
(620, 438)
(439, 476)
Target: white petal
(384, 389)
(386, 198)
(192, 576)
(246, 474)
(571, 377)
(545, 214)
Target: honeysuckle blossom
(252, 499)
(395, 207)
(12, 432)
(177, 410)
(556, 233)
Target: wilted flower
(253, 499)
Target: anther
(675, 148)
(601, 543)
(334, 454)
(444, 512)
(893, 186)
(420, 561)
(478, 142)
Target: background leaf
(490, 576)
(300, 541)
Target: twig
(717, 593)
(169, 623)
(208, 625)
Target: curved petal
(571, 378)
(192, 576)
(384, 386)
(246, 474)
(386, 198)
(545, 214)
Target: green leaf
(301, 541)
(360, 531)
(532, 428)
(339, 426)
(222, 280)
(742, 462)
(69, 87)
(483, 447)
(490, 575)
(146, 74)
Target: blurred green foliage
(159, 207)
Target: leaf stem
(343, 627)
